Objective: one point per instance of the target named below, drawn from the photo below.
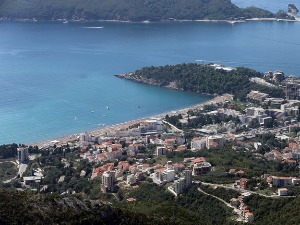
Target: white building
(108, 180)
(282, 191)
(198, 143)
(168, 175)
(156, 178)
(131, 179)
(214, 141)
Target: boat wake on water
(93, 27)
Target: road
(236, 210)
(245, 191)
(173, 127)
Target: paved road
(22, 169)
(173, 127)
(9, 180)
(246, 191)
(236, 211)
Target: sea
(58, 78)
(271, 5)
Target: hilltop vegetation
(129, 10)
(28, 208)
(204, 79)
(274, 211)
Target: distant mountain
(128, 10)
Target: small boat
(107, 107)
(65, 22)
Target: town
(250, 147)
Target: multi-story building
(187, 174)
(292, 91)
(198, 143)
(108, 180)
(168, 175)
(282, 181)
(201, 168)
(179, 185)
(214, 141)
(23, 155)
(160, 150)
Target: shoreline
(124, 125)
(33, 20)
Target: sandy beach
(120, 126)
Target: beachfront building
(151, 126)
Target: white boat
(65, 22)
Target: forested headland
(128, 10)
(204, 79)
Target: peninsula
(211, 79)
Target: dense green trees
(274, 210)
(193, 207)
(206, 79)
(133, 10)
(8, 151)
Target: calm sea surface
(271, 5)
(53, 75)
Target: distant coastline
(297, 19)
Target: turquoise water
(271, 5)
(53, 75)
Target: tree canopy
(204, 79)
(129, 10)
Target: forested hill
(203, 79)
(127, 10)
(29, 208)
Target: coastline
(124, 125)
(33, 20)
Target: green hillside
(203, 79)
(132, 10)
